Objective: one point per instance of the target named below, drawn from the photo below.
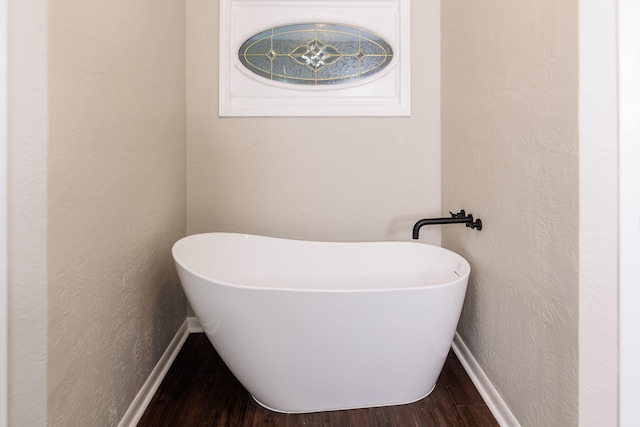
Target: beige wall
(312, 178)
(116, 200)
(509, 156)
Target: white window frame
(242, 94)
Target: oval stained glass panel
(315, 54)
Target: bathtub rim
(460, 279)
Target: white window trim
(243, 95)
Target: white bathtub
(316, 326)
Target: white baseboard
(492, 398)
(194, 325)
(149, 388)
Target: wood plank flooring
(199, 390)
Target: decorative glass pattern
(315, 54)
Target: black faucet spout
(459, 218)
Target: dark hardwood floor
(199, 390)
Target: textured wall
(312, 178)
(509, 156)
(116, 200)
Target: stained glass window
(315, 54)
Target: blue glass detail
(315, 54)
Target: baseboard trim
(194, 325)
(492, 398)
(149, 388)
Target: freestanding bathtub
(316, 326)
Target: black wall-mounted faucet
(456, 218)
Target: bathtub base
(311, 410)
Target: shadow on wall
(401, 227)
